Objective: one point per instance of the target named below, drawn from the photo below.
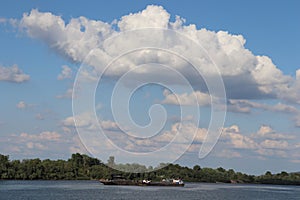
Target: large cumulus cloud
(245, 75)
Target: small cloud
(48, 135)
(266, 132)
(3, 20)
(109, 125)
(87, 121)
(245, 106)
(22, 105)
(43, 136)
(30, 145)
(274, 144)
(66, 73)
(238, 140)
(77, 147)
(297, 145)
(225, 153)
(39, 146)
(39, 116)
(11, 21)
(13, 74)
(99, 106)
(195, 98)
(272, 152)
(69, 122)
(66, 129)
(67, 95)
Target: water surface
(65, 190)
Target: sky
(217, 81)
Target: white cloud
(243, 105)
(186, 131)
(12, 22)
(67, 95)
(183, 132)
(271, 79)
(3, 20)
(87, 121)
(77, 149)
(272, 152)
(237, 140)
(28, 144)
(43, 136)
(69, 121)
(77, 146)
(68, 39)
(39, 116)
(42, 144)
(48, 135)
(267, 132)
(195, 98)
(291, 92)
(22, 105)
(297, 145)
(66, 73)
(152, 17)
(13, 74)
(226, 153)
(274, 144)
(38, 146)
(247, 106)
(84, 120)
(245, 75)
(109, 125)
(265, 142)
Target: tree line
(83, 167)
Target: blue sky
(255, 44)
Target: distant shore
(83, 167)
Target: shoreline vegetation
(83, 167)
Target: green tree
(4, 166)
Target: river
(90, 190)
